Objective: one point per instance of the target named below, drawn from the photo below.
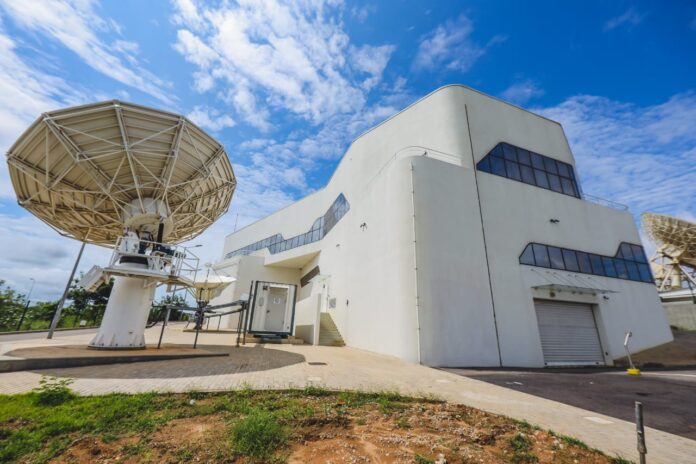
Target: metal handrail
(604, 202)
(178, 258)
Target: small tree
(11, 307)
(159, 309)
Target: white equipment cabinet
(273, 309)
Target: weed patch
(259, 435)
(53, 391)
(521, 448)
(312, 425)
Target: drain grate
(316, 363)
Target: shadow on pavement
(243, 359)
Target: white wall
(370, 270)
(456, 313)
(516, 214)
(245, 269)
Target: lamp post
(26, 306)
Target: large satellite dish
(129, 177)
(86, 170)
(674, 262)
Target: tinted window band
(522, 165)
(629, 262)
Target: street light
(26, 306)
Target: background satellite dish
(674, 262)
(92, 171)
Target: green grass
(258, 425)
(621, 460)
(259, 435)
(402, 422)
(53, 391)
(418, 459)
(42, 424)
(521, 447)
(32, 426)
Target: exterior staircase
(328, 332)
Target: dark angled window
(596, 263)
(621, 271)
(628, 263)
(498, 166)
(584, 262)
(527, 256)
(571, 260)
(541, 255)
(320, 228)
(556, 257)
(609, 266)
(531, 168)
(644, 270)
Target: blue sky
(286, 86)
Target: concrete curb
(26, 364)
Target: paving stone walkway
(287, 366)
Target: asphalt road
(668, 396)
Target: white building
(455, 233)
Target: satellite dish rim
(212, 185)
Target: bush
(53, 391)
(521, 446)
(258, 435)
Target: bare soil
(338, 431)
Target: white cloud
(210, 118)
(450, 46)
(76, 25)
(630, 19)
(644, 157)
(244, 101)
(187, 14)
(361, 13)
(282, 65)
(194, 50)
(521, 92)
(372, 61)
(25, 93)
(284, 57)
(42, 254)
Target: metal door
(275, 309)
(568, 333)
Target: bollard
(640, 432)
(632, 370)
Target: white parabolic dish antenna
(92, 171)
(674, 263)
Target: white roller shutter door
(568, 334)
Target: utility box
(272, 309)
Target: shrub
(521, 446)
(53, 391)
(258, 435)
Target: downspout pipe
(415, 264)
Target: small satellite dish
(210, 286)
(129, 177)
(674, 262)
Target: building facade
(456, 233)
